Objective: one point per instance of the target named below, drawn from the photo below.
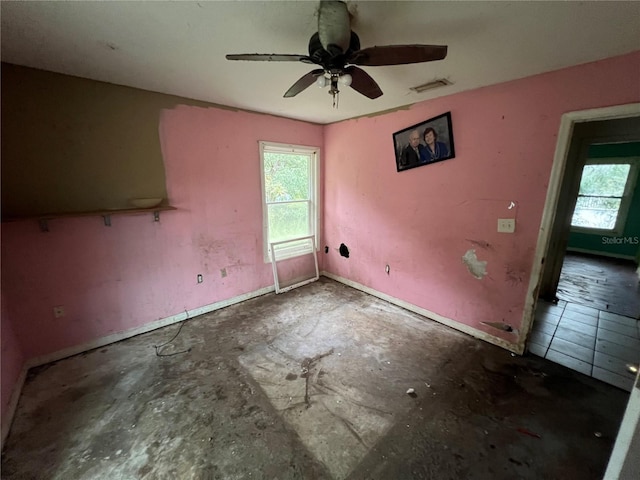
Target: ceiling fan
(336, 48)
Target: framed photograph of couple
(424, 143)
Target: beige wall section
(71, 144)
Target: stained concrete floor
(310, 384)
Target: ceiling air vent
(442, 82)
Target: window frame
(625, 200)
(314, 198)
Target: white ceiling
(179, 47)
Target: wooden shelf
(105, 214)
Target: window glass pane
(288, 220)
(595, 212)
(286, 176)
(604, 180)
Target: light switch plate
(506, 225)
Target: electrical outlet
(506, 225)
(199, 278)
(223, 272)
(58, 311)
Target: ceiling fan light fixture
(441, 82)
(345, 80)
(322, 81)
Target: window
(290, 197)
(604, 195)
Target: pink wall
(112, 279)
(422, 221)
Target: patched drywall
(477, 268)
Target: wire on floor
(158, 347)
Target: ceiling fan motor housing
(328, 60)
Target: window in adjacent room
(604, 195)
(290, 197)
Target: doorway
(566, 331)
(578, 130)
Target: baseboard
(602, 254)
(163, 322)
(116, 337)
(13, 404)
(479, 334)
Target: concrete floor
(310, 384)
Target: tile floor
(597, 343)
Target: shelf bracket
(156, 216)
(107, 220)
(44, 226)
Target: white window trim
(315, 203)
(625, 201)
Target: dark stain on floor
(234, 406)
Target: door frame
(568, 122)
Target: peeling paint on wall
(477, 268)
(501, 326)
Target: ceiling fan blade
(362, 83)
(304, 82)
(269, 57)
(397, 55)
